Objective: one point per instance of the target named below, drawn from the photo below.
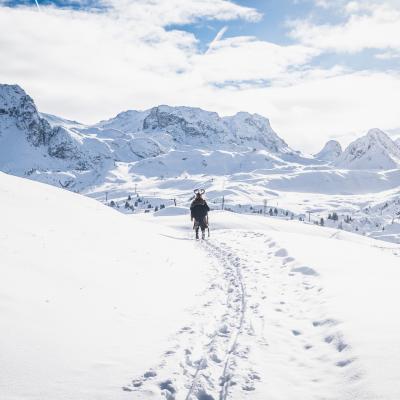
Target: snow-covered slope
(330, 152)
(375, 150)
(100, 305)
(55, 121)
(88, 296)
(127, 121)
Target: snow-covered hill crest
(375, 150)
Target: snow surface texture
(101, 305)
(158, 156)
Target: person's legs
(203, 227)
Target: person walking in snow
(199, 213)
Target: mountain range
(166, 143)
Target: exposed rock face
(185, 123)
(17, 106)
(188, 125)
(22, 125)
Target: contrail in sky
(217, 38)
(37, 3)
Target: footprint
(288, 260)
(150, 374)
(296, 332)
(281, 253)
(168, 389)
(323, 322)
(344, 363)
(204, 396)
(305, 271)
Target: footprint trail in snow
(262, 331)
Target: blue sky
(319, 69)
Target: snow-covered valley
(99, 305)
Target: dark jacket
(199, 209)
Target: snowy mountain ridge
(165, 152)
(375, 150)
(135, 135)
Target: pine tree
(322, 222)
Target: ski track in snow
(261, 331)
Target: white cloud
(370, 25)
(248, 59)
(163, 13)
(91, 65)
(88, 65)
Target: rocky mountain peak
(20, 109)
(330, 152)
(375, 150)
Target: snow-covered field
(96, 304)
